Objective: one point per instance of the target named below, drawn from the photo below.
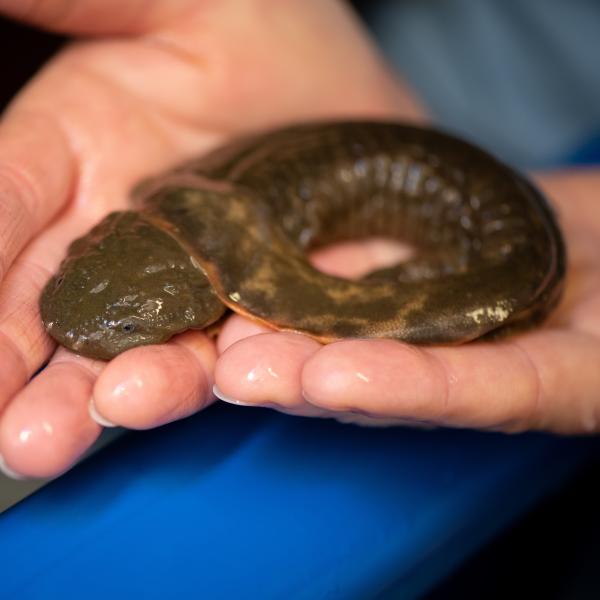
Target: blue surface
(588, 153)
(240, 503)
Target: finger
(37, 173)
(47, 427)
(276, 385)
(153, 385)
(236, 328)
(265, 370)
(24, 343)
(97, 16)
(543, 380)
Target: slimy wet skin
(233, 229)
(125, 284)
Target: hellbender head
(126, 283)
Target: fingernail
(98, 417)
(333, 411)
(9, 472)
(221, 396)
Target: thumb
(93, 17)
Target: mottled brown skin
(125, 284)
(234, 228)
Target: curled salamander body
(232, 229)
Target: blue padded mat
(247, 503)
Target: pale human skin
(181, 76)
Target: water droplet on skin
(258, 374)
(24, 435)
(362, 377)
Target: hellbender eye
(128, 327)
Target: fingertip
(264, 370)
(237, 328)
(138, 389)
(46, 428)
(222, 396)
(97, 417)
(12, 474)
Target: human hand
(159, 81)
(546, 378)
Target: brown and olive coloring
(233, 229)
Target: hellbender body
(232, 229)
